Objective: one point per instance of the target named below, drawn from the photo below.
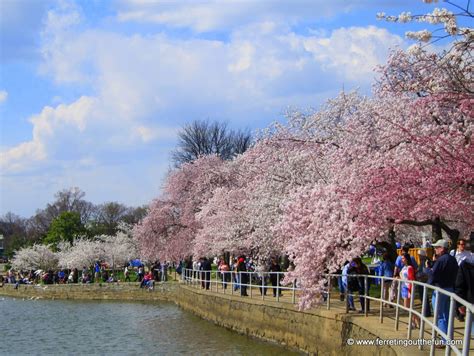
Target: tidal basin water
(58, 327)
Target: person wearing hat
(243, 276)
(444, 268)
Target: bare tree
(200, 138)
(109, 216)
(14, 230)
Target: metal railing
(257, 284)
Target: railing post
(293, 298)
(232, 282)
(328, 296)
(250, 278)
(263, 286)
(435, 322)
(382, 289)
(452, 313)
(397, 310)
(424, 300)
(346, 295)
(224, 278)
(366, 292)
(278, 286)
(240, 283)
(410, 311)
(467, 333)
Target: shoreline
(318, 331)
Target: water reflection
(39, 327)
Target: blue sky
(92, 93)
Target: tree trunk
(227, 257)
(436, 232)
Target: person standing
(224, 270)
(347, 282)
(408, 274)
(422, 275)
(262, 275)
(141, 273)
(205, 267)
(442, 276)
(386, 270)
(364, 288)
(460, 254)
(243, 276)
(164, 271)
(96, 271)
(126, 274)
(275, 270)
(464, 286)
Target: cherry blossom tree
(82, 253)
(169, 229)
(119, 249)
(34, 258)
(113, 250)
(323, 186)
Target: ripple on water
(39, 327)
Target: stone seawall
(99, 291)
(319, 332)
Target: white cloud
(353, 52)
(148, 134)
(3, 96)
(208, 15)
(142, 84)
(51, 128)
(135, 90)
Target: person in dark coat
(205, 268)
(275, 277)
(244, 276)
(361, 268)
(464, 286)
(442, 276)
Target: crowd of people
(450, 270)
(99, 272)
(236, 273)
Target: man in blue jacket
(442, 276)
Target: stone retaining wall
(319, 332)
(99, 291)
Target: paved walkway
(385, 330)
